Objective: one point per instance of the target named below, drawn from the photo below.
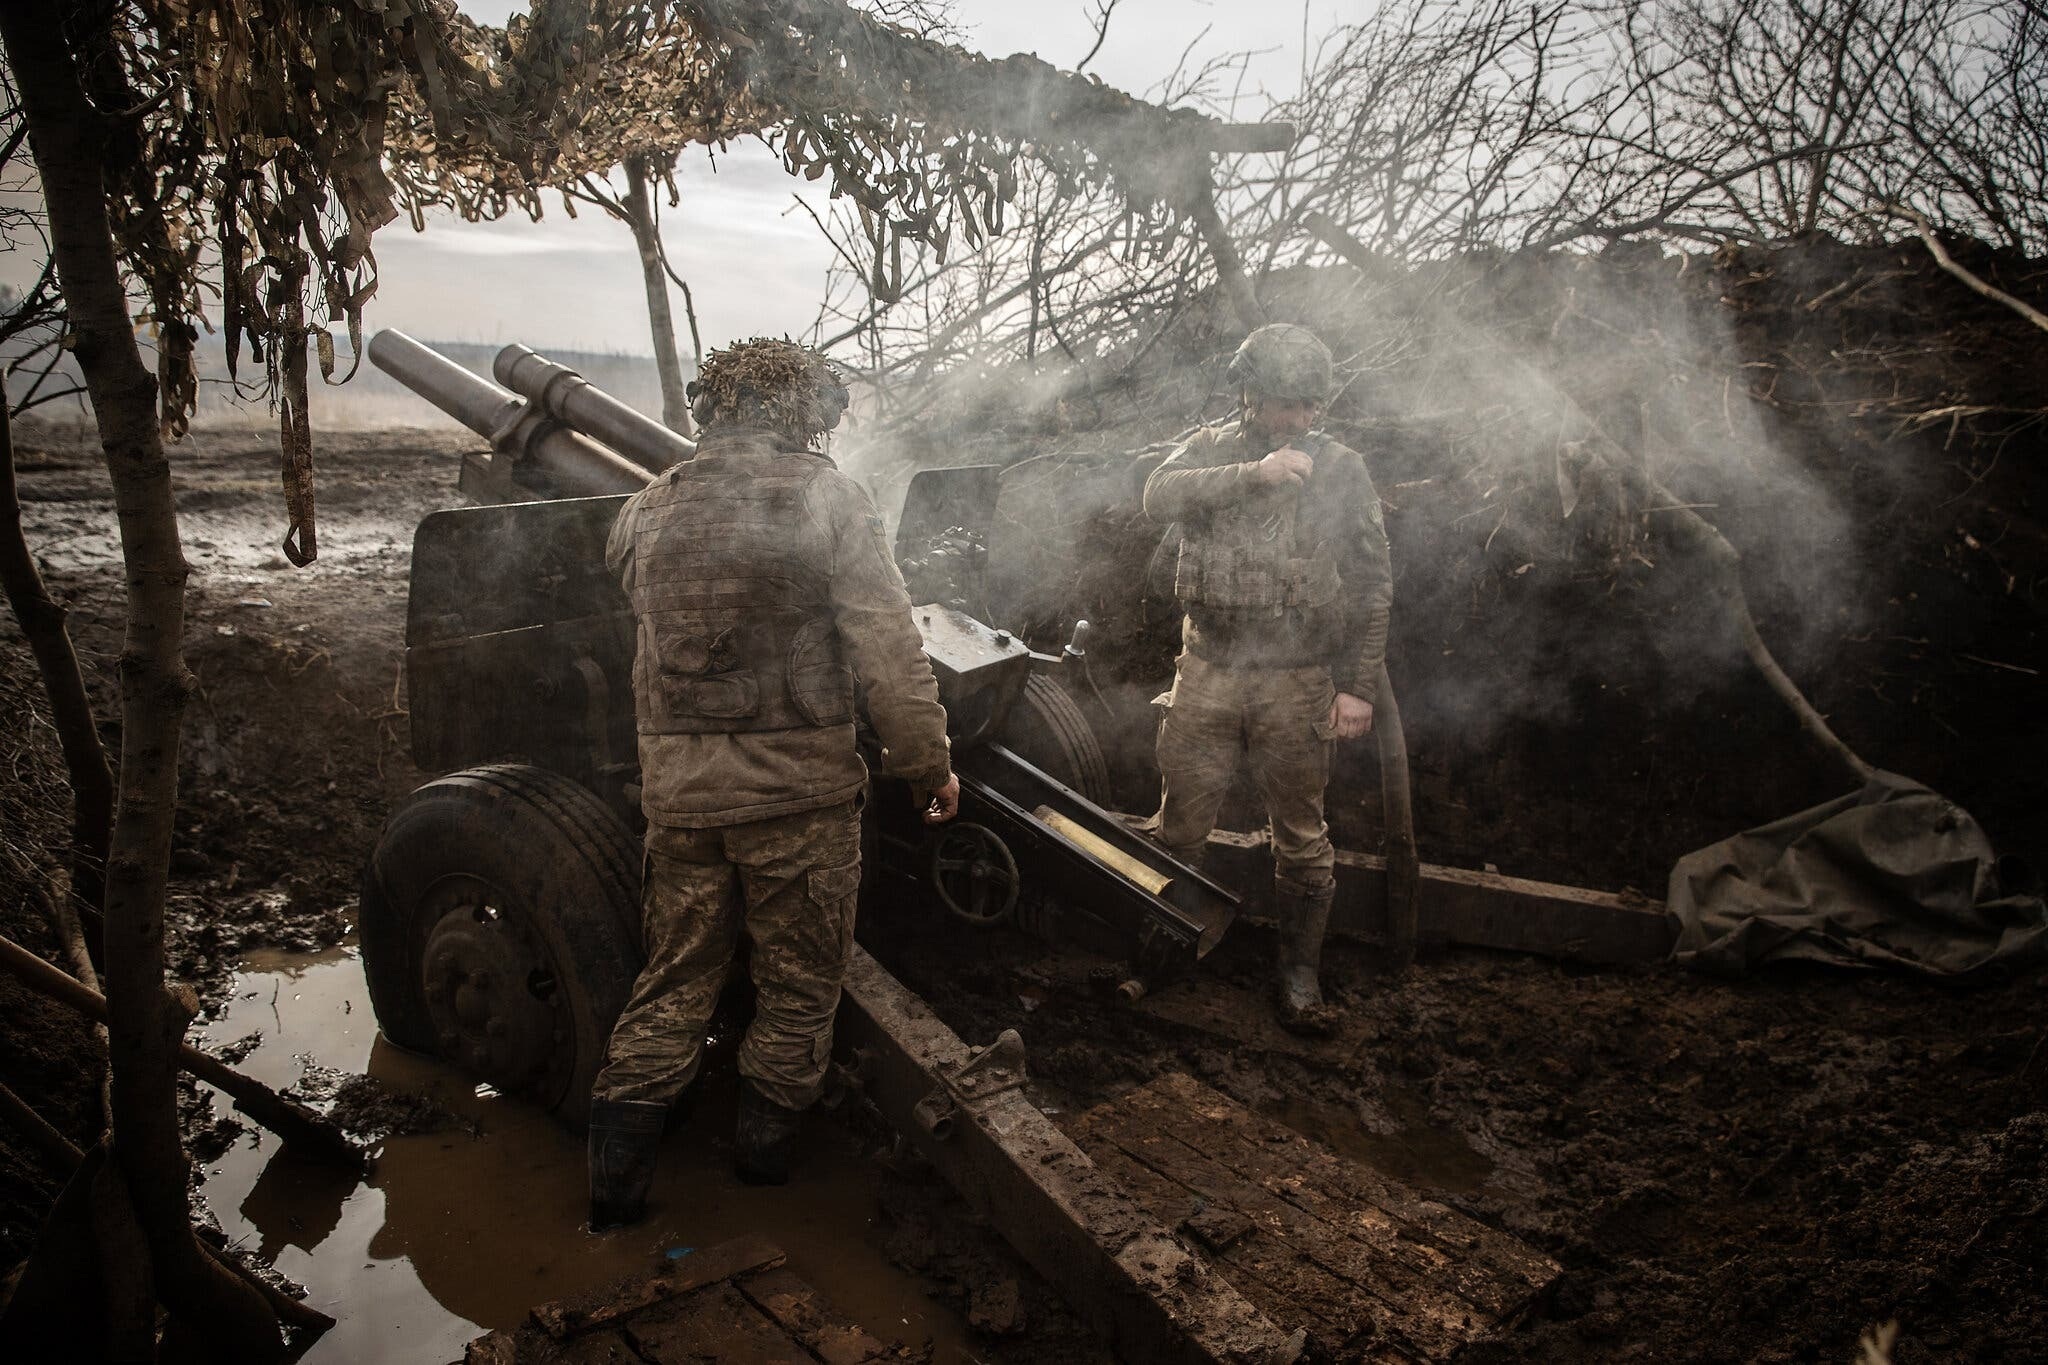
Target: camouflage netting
(776, 384)
(267, 140)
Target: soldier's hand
(1349, 716)
(1285, 467)
(945, 802)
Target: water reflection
(295, 1204)
(456, 1232)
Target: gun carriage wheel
(500, 929)
(1048, 730)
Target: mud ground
(1728, 1171)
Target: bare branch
(1953, 267)
(1103, 10)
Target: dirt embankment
(51, 1057)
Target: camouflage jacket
(693, 776)
(1278, 577)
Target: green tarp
(1891, 876)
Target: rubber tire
(550, 848)
(1048, 730)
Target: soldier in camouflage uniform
(1283, 573)
(764, 591)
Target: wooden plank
(1264, 1267)
(568, 1317)
(524, 1344)
(732, 1302)
(1341, 1277)
(1484, 1267)
(1276, 1270)
(1149, 1294)
(1321, 1178)
(1375, 1268)
(1406, 1257)
(1461, 906)
(598, 1348)
(493, 1348)
(716, 1322)
(809, 1317)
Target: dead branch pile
(1438, 130)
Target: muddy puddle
(464, 1229)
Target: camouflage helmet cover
(1283, 361)
(769, 382)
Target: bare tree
(32, 328)
(1437, 129)
(640, 211)
(1975, 109)
(76, 142)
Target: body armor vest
(730, 589)
(1264, 555)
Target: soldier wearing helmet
(763, 592)
(1283, 573)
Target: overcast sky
(755, 264)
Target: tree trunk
(1237, 286)
(639, 206)
(71, 143)
(42, 622)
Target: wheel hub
(491, 990)
(974, 873)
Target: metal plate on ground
(732, 1302)
(1372, 1269)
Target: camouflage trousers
(792, 882)
(1277, 719)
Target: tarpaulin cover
(1891, 876)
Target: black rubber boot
(624, 1138)
(1304, 915)
(681, 1112)
(762, 1139)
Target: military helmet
(1283, 361)
(768, 382)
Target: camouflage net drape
(276, 136)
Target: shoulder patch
(875, 524)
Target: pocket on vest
(819, 681)
(689, 688)
(719, 696)
(1312, 582)
(1232, 577)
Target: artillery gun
(501, 907)
(500, 924)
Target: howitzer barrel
(477, 403)
(547, 457)
(575, 402)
